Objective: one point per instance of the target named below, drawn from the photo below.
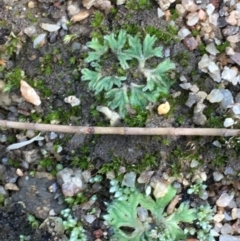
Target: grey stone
(222, 22)
(35, 195)
(230, 30)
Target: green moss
(213, 120)
(46, 163)
(166, 141)
(168, 36)
(97, 19)
(2, 198)
(222, 47)
(35, 117)
(138, 120)
(202, 49)
(147, 162)
(174, 14)
(10, 139)
(54, 115)
(219, 160)
(13, 163)
(13, 78)
(48, 70)
(31, 17)
(183, 58)
(41, 86)
(195, 32)
(82, 162)
(98, 35)
(3, 23)
(138, 5)
(179, 160)
(132, 29)
(180, 119)
(72, 60)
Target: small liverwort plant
(72, 227)
(199, 189)
(121, 69)
(135, 216)
(123, 216)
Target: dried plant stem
(121, 130)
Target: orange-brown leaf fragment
(80, 16)
(3, 62)
(29, 94)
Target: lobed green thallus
(124, 92)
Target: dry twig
(171, 131)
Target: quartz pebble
(236, 109)
(218, 217)
(199, 119)
(210, 48)
(228, 122)
(229, 238)
(226, 229)
(31, 4)
(229, 73)
(215, 96)
(160, 12)
(227, 98)
(210, 9)
(191, 43)
(50, 27)
(199, 107)
(142, 214)
(129, 179)
(192, 99)
(39, 41)
(160, 189)
(183, 32)
(235, 213)
(224, 199)
(194, 163)
(234, 38)
(11, 186)
(190, 5)
(71, 181)
(180, 9)
(165, 4)
(219, 145)
(73, 9)
(192, 19)
(72, 100)
(185, 86)
(113, 116)
(231, 19)
(53, 135)
(217, 176)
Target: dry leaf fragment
(167, 15)
(80, 16)
(3, 62)
(29, 94)
(172, 204)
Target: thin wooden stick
(121, 130)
